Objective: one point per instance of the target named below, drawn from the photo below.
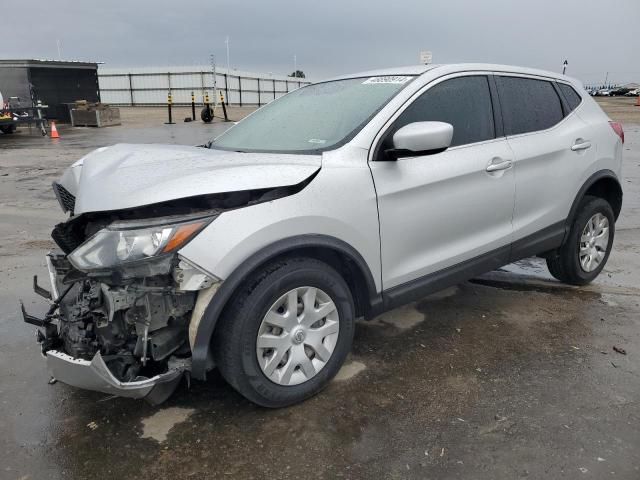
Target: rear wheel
(7, 129)
(286, 332)
(586, 250)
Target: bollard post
(224, 108)
(193, 107)
(169, 102)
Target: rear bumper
(95, 375)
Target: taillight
(617, 127)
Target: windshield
(314, 118)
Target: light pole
(215, 79)
(295, 65)
(227, 42)
(564, 66)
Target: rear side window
(570, 95)
(464, 102)
(528, 105)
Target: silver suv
(256, 252)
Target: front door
(437, 211)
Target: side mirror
(421, 138)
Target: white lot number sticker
(398, 80)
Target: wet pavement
(511, 375)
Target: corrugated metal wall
(150, 85)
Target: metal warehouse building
(55, 83)
(150, 85)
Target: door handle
(497, 164)
(581, 145)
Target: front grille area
(66, 200)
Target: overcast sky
(332, 37)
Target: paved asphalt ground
(509, 376)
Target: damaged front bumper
(95, 375)
(129, 340)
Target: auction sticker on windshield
(388, 79)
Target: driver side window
(464, 102)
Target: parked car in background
(256, 252)
(633, 93)
(604, 92)
(619, 92)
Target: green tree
(297, 74)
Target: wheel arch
(337, 253)
(603, 184)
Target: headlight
(122, 243)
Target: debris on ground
(92, 425)
(620, 350)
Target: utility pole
(228, 63)
(215, 83)
(564, 66)
(606, 79)
(295, 65)
(59, 49)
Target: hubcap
(297, 336)
(594, 242)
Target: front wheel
(286, 332)
(586, 250)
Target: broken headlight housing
(125, 242)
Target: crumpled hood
(126, 176)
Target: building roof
(26, 63)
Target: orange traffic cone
(54, 131)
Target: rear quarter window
(572, 97)
(528, 104)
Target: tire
(206, 114)
(8, 129)
(565, 264)
(244, 362)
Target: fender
(201, 354)
(599, 175)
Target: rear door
(440, 210)
(551, 146)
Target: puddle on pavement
(402, 318)
(608, 299)
(408, 316)
(350, 370)
(158, 425)
(518, 285)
